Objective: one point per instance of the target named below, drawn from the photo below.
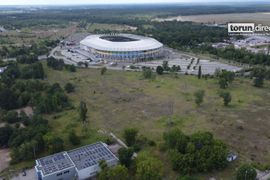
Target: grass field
(263, 18)
(119, 100)
(29, 35)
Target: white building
(122, 47)
(81, 163)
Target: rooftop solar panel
(54, 163)
(90, 155)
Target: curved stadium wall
(122, 47)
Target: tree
(198, 152)
(175, 68)
(73, 138)
(246, 172)
(148, 167)
(227, 98)
(130, 135)
(258, 74)
(199, 95)
(83, 111)
(57, 145)
(103, 174)
(33, 71)
(176, 139)
(11, 117)
(5, 134)
(55, 64)
(200, 72)
(8, 99)
(103, 70)
(54, 144)
(125, 156)
(70, 68)
(69, 88)
(187, 178)
(118, 172)
(225, 78)
(159, 70)
(165, 66)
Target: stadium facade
(122, 47)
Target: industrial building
(122, 47)
(81, 163)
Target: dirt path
(4, 159)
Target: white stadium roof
(140, 43)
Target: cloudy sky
(68, 2)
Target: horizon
(120, 2)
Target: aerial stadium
(122, 47)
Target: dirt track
(4, 158)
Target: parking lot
(72, 54)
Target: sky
(73, 2)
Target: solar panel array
(54, 163)
(90, 155)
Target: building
(80, 163)
(122, 47)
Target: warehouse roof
(53, 163)
(80, 158)
(91, 155)
(121, 42)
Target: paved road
(30, 175)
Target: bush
(148, 74)
(199, 95)
(69, 88)
(73, 138)
(246, 172)
(227, 98)
(109, 141)
(159, 70)
(103, 70)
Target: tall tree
(125, 156)
(258, 73)
(83, 111)
(200, 72)
(130, 135)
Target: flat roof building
(80, 163)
